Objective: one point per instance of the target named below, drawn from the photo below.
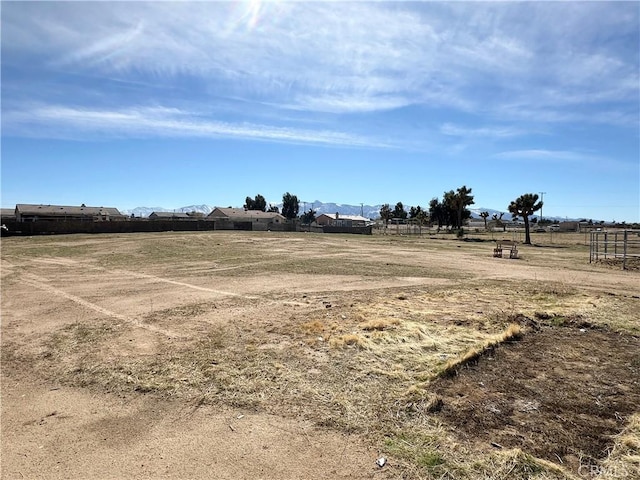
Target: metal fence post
(624, 258)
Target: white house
(339, 220)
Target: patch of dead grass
(347, 340)
(512, 333)
(379, 324)
(624, 459)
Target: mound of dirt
(559, 394)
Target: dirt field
(287, 356)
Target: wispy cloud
(76, 123)
(508, 61)
(547, 155)
(590, 161)
(453, 130)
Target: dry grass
(364, 365)
(379, 324)
(512, 333)
(349, 339)
(624, 458)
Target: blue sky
(132, 104)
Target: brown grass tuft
(349, 339)
(513, 332)
(314, 327)
(379, 324)
(624, 458)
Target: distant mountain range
(368, 211)
(144, 212)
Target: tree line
(290, 205)
(451, 211)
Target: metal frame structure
(621, 244)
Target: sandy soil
(57, 432)
(151, 305)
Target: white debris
(381, 462)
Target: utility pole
(542, 200)
(362, 209)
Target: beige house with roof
(170, 216)
(7, 214)
(240, 219)
(26, 212)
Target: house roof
(242, 214)
(62, 210)
(171, 214)
(7, 212)
(354, 218)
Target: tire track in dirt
(40, 283)
(155, 278)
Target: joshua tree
(498, 219)
(484, 216)
(399, 211)
(457, 203)
(523, 206)
(308, 217)
(385, 213)
(438, 212)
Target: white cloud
(542, 59)
(69, 122)
(453, 130)
(546, 155)
(597, 163)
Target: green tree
(524, 206)
(385, 213)
(274, 209)
(257, 203)
(438, 212)
(449, 203)
(418, 214)
(290, 206)
(484, 216)
(422, 217)
(399, 211)
(458, 202)
(415, 211)
(308, 217)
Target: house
(569, 227)
(238, 218)
(8, 214)
(169, 216)
(338, 220)
(25, 212)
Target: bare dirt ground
(568, 413)
(60, 432)
(260, 355)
